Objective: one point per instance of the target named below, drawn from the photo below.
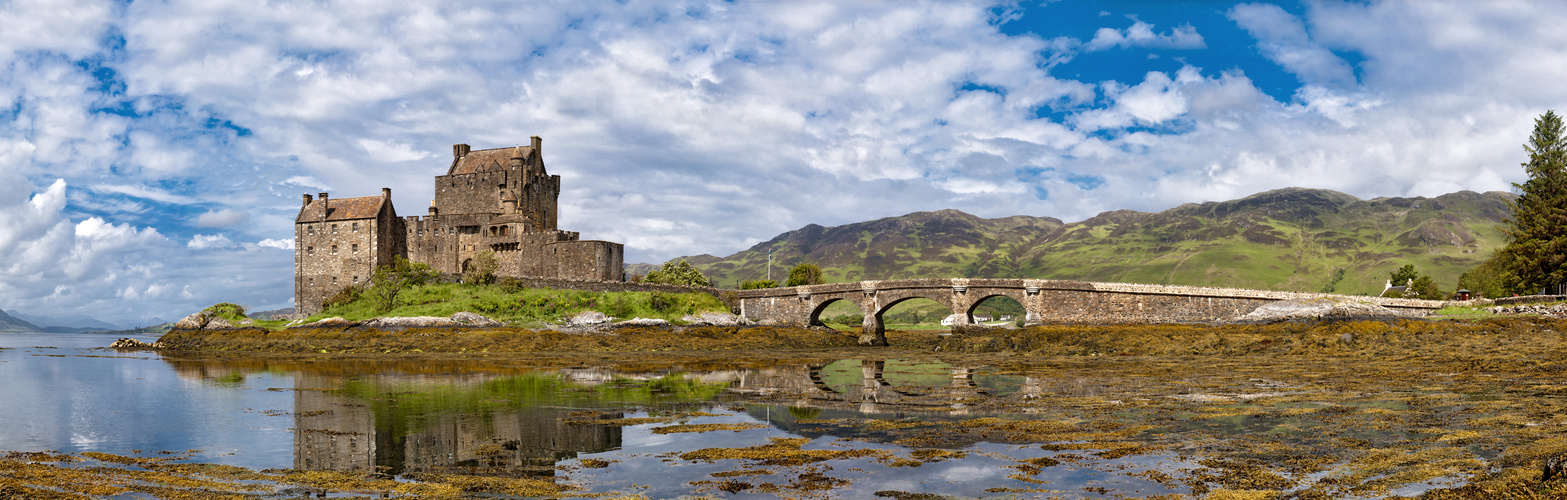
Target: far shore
(1420, 337)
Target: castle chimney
(460, 150)
(386, 193)
(323, 199)
(434, 211)
(307, 199)
(537, 143)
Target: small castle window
(356, 248)
(356, 227)
(334, 229)
(310, 250)
(334, 280)
(310, 281)
(356, 280)
(311, 230)
(334, 249)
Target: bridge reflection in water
(522, 422)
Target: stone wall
(1530, 299)
(1046, 301)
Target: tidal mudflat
(1466, 409)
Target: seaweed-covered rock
(473, 319)
(133, 344)
(587, 318)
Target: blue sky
(153, 153)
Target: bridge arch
(815, 318)
(895, 299)
(980, 296)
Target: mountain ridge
(1284, 239)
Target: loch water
(67, 393)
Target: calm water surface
(65, 392)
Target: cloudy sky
(153, 153)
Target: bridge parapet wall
(1055, 301)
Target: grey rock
(588, 318)
(473, 319)
(1347, 338)
(1314, 309)
(332, 322)
(193, 322)
(216, 323)
(409, 322)
(643, 322)
(715, 319)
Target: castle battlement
(492, 200)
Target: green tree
(1485, 279)
(389, 281)
(755, 284)
(1424, 288)
(1537, 235)
(804, 274)
(481, 270)
(1338, 275)
(1403, 275)
(677, 273)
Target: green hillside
(1288, 239)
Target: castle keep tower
(491, 200)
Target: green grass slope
(1288, 239)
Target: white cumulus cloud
(1141, 34)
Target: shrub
(228, 310)
(481, 270)
(681, 273)
(344, 296)
(663, 302)
(755, 284)
(804, 274)
(389, 281)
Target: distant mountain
(1292, 239)
(10, 323)
(67, 324)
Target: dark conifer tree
(1537, 247)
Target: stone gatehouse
(496, 200)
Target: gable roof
(479, 160)
(363, 207)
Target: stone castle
(496, 200)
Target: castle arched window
(503, 230)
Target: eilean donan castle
(497, 200)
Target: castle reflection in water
(401, 417)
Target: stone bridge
(1046, 301)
